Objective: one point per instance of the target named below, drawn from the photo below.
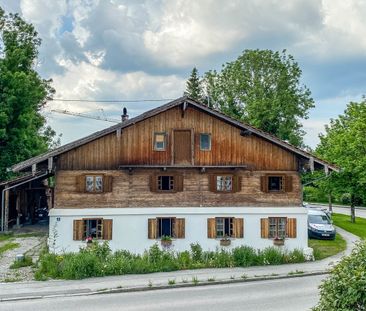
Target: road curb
(165, 286)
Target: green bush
(244, 256)
(345, 288)
(98, 260)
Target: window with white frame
(224, 227)
(277, 227)
(94, 183)
(224, 183)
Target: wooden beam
(34, 169)
(6, 210)
(326, 170)
(311, 164)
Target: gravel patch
(30, 246)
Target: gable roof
(185, 100)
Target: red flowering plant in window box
(89, 240)
(278, 241)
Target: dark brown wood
(107, 183)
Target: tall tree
(262, 88)
(23, 93)
(193, 85)
(344, 143)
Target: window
(224, 183)
(165, 227)
(94, 183)
(205, 141)
(277, 227)
(160, 141)
(165, 183)
(93, 228)
(275, 183)
(224, 227)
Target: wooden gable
(134, 146)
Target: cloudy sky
(135, 49)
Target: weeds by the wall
(98, 260)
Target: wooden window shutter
(238, 228)
(179, 230)
(78, 230)
(264, 228)
(264, 183)
(288, 183)
(153, 183)
(212, 183)
(107, 183)
(80, 183)
(236, 183)
(291, 228)
(152, 228)
(107, 229)
(178, 186)
(211, 228)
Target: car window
(319, 219)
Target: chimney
(124, 116)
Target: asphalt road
(298, 294)
(346, 210)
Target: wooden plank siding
(133, 190)
(135, 145)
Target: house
(181, 170)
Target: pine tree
(193, 86)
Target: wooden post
(6, 210)
(19, 212)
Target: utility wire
(112, 100)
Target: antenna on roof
(124, 115)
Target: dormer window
(159, 141)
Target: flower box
(225, 242)
(278, 242)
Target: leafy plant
(25, 262)
(345, 287)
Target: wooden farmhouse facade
(181, 170)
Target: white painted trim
(56, 212)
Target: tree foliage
(262, 88)
(345, 290)
(23, 93)
(193, 86)
(344, 143)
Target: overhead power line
(111, 100)
(84, 115)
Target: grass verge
(5, 236)
(325, 248)
(344, 221)
(8, 246)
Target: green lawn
(7, 247)
(326, 248)
(344, 222)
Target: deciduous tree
(23, 93)
(262, 88)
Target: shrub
(196, 251)
(244, 256)
(345, 287)
(270, 256)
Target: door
(182, 147)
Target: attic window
(165, 183)
(275, 183)
(160, 141)
(94, 183)
(205, 141)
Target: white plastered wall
(130, 226)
